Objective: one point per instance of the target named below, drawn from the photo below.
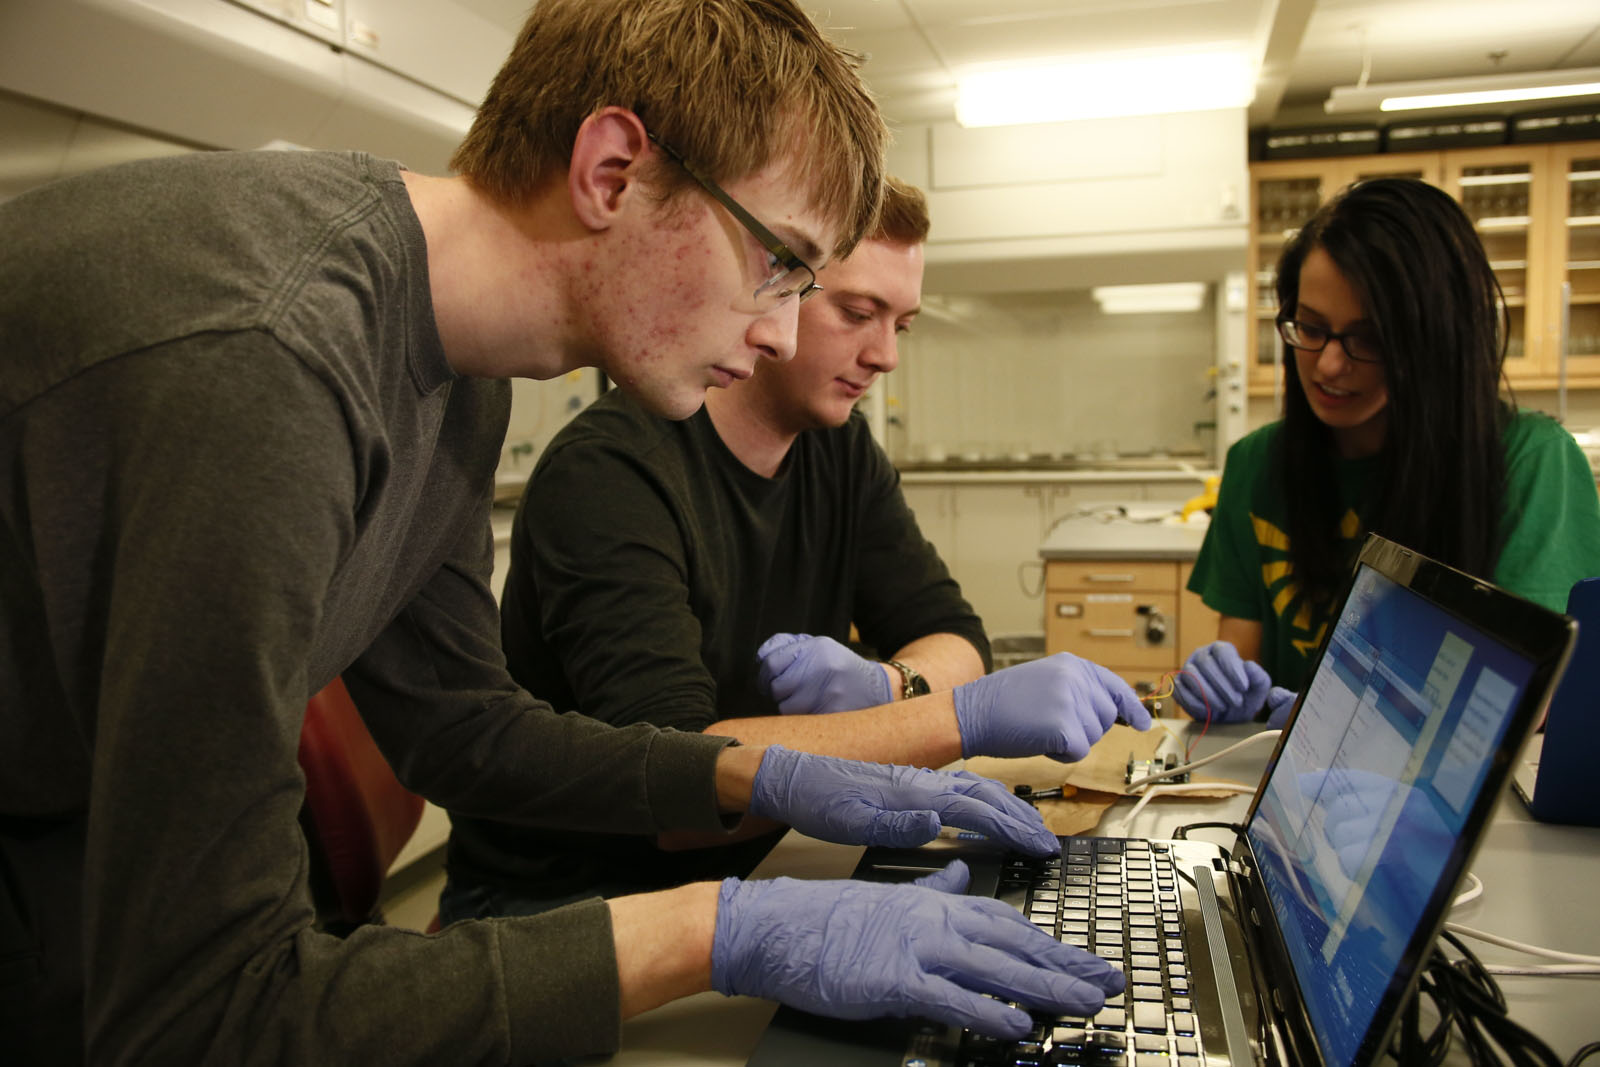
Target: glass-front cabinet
(1575, 173)
(1537, 210)
(1504, 194)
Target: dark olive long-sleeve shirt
(235, 464)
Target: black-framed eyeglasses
(791, 276)
(1308, 337)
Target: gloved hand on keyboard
(809, 675)
(856, 803)
(1056, 706)
(1216, 681)
(859, 950)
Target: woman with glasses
(1393, 423)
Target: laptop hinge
(1234, 1031)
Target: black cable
(1182, 832)
(1471, 1006)
(1584, 1053)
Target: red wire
(1188, 751)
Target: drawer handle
(1108, 631)
(1109, 577)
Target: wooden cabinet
(1537, 210)
(1132, 616)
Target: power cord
(1185, 768)
(1471, 1008)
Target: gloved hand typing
(859, 950)
(810, 675)
(1216, 678)
(1057, 706)
(857, 803)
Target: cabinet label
(1110, 598)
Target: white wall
(1008, 374)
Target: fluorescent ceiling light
(1104, 86)
(1465, 92)
(1143, 299)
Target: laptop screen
(1371, 791)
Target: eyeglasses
(790, 274)
(1307, 337)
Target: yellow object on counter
(1205, 501)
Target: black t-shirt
(647, 566)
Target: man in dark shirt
(653, 561)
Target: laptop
(1301, 943)
(1556, 776)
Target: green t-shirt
(1552, 524)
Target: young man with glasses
(251, 410)
(713, 586)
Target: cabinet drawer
(1160, 576)
(1128, 629)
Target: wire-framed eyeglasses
(1309, 337)
(791, 276)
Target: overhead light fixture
(1105, 86)
(1144, 299)
(1464, 92)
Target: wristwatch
(912, 684)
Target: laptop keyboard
(1118, 899)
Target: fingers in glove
(947, 1002)
(953, 879)
(896, 829)
(1023, 830)
(777, 641)
(1129, 708)
(982, 969)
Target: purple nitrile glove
(1280, 702)
(1215, 677)
(856, 803)
(860, 950)
(810, 675)
(1057, 706)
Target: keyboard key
(1187, 1046)
(1149, 1043)
(1181, 1004)
(1068, 1037)
(1112, 1018)
(1148, 992)
(1151, 1017)
(1140, 960)
(1146, 977)
(1183, 1023)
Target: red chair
(357, 816)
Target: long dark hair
(1413, 257)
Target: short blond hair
(730, 84)
(903, 215)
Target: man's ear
(607, 157)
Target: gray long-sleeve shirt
(235, 464)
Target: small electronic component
(1142, 768)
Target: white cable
(1560, 970)
(1264, 735)
(1532, 950)
(1184, 787)
(1471, 893)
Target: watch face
(919, 686)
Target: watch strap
(912, 683)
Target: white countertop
(1134, 531)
